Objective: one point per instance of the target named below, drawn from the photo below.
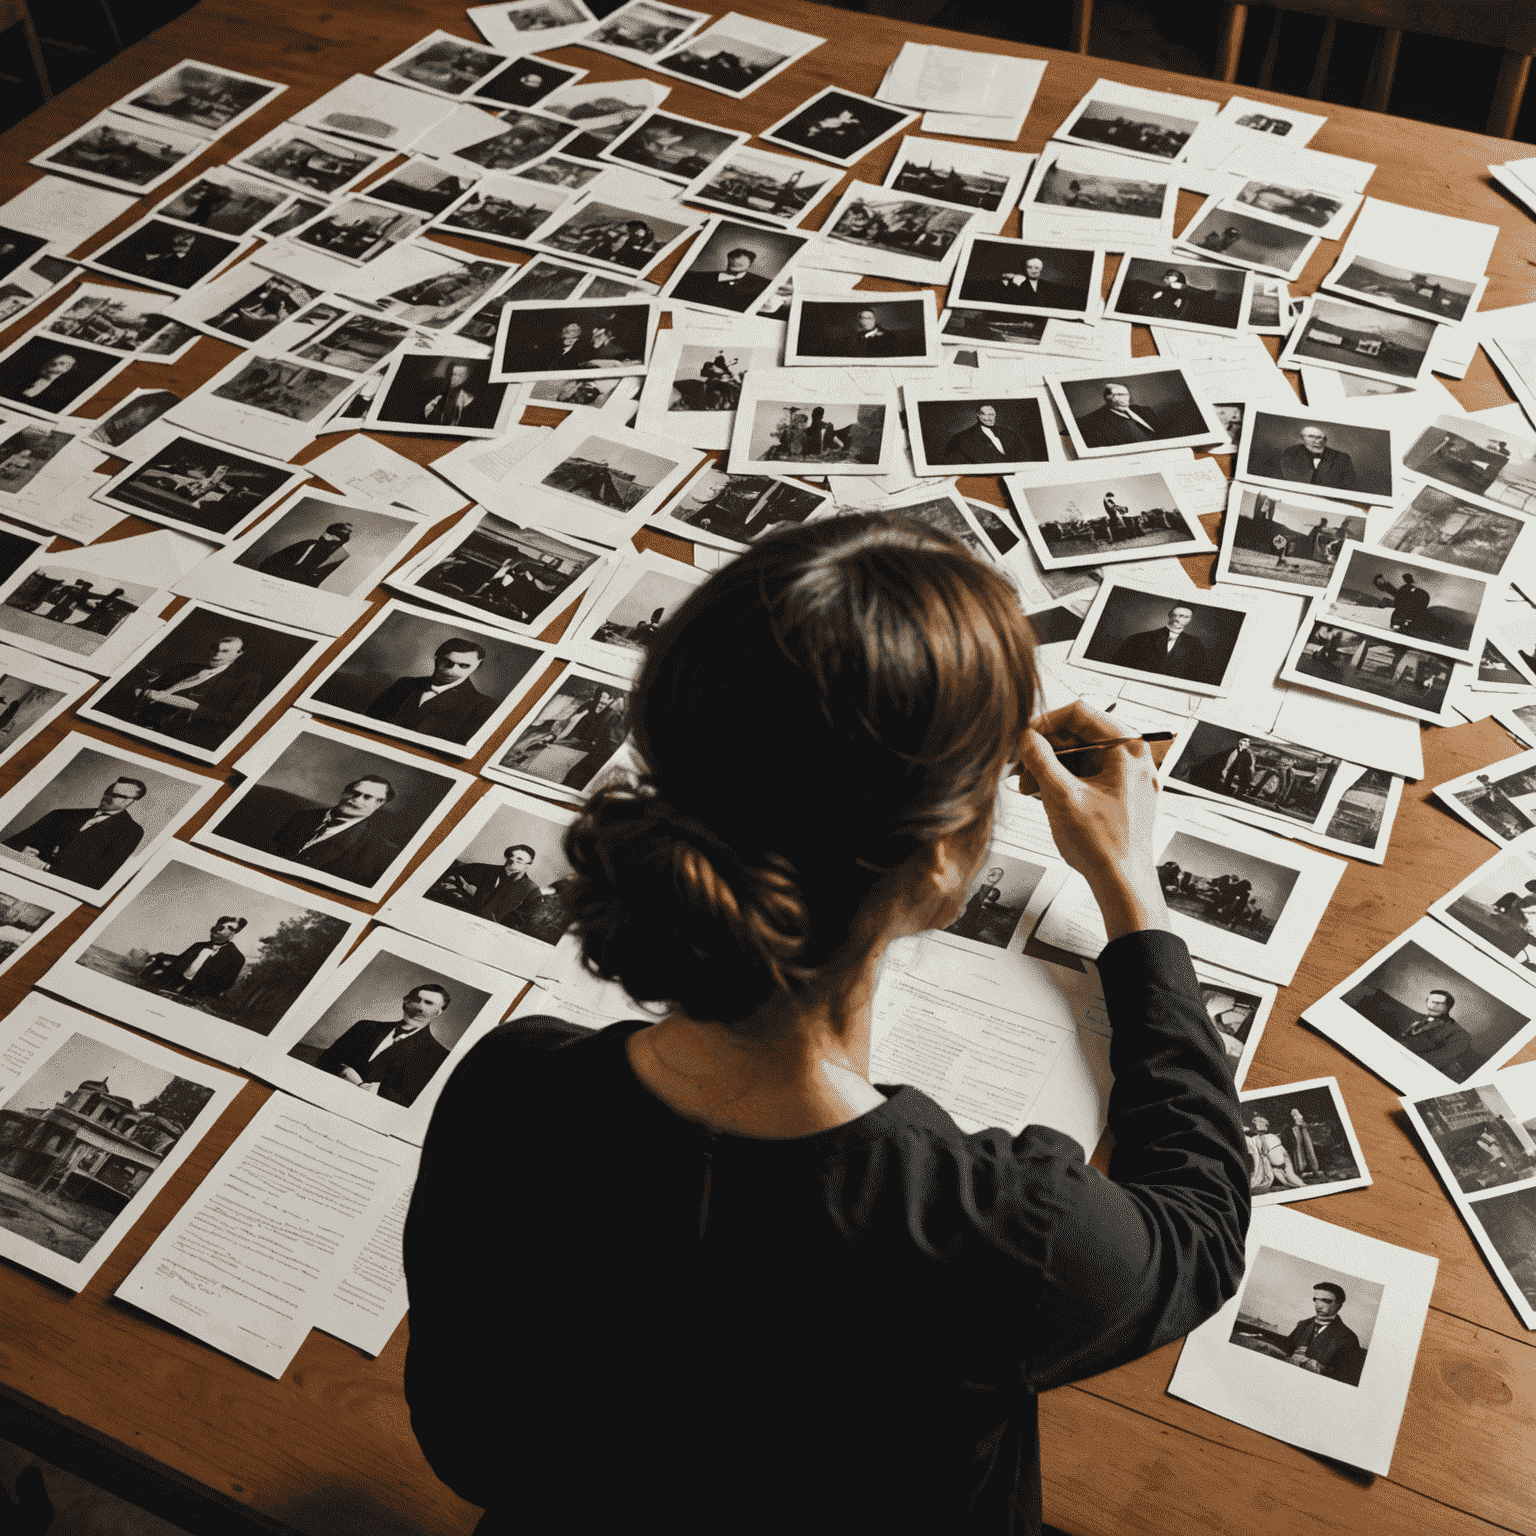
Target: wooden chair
(14, 13)
(1509, 25)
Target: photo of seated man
(204, 969)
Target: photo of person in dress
(1296, 1140)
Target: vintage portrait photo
(48, 377)
(1285, 543)
(1225, 887)
(1464, 455)
(524, 82)
(996, 900)
(598, 337)
(329, 807)
(427, 679)
(449, 396)
(89, 814)
(1246, 241)
(1141, 633)
(1295, 451)
(296, 158)
(781, 434)
(1441, 607)
(575, 732)
(443, 64)
(57, 608)
(1370, 669)
(1492, 907)
(120, 152)
(1446, 299)
(203, 681)
(201, 98)
(1481, 1140)
(775, 188)
(838, 126)
(1090, 519)
(512, 576)
(616, 631)
(204, 953)
(1020, 277)
(1300, 1143)
(1454, 532)
(729, 511)
(622, 238)
(1183, 295)
(202, 486)
(1151, 403)
(737, 54)
(1335, 1315)
(167, 256)
(1245, 770)
(980, 434)
(899, 328)
(1353, 338)
(731, 266)
(678, 149)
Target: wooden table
(329, 1450)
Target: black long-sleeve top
(620, 1319)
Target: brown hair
(814, 716)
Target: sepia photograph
(623, 238)
(783, 434)
(295, 158)
(506, 209)
(1254, 772)
(1301, 1143)
(427, 679)
(1464, 455)
(1370, 669)
(1151, 403)
(980, 434)
(1336, 1315)
(1481, 1140)
(443, 64)
(444, 395)
(116, 151)
(1312, 453)
(731, 266)
(678, 149)
(1353, 338)
(70, 612)
(1438, 606)
(597, 337)
(1454, 532)
(203, 681)
(48, 377)
(523, 82)
(900, 328)
(570, 738)
(167, 256)
(995, 900)
(1019, 276)
(1284, 543)
(1146, 635)
(201, 486)
(1182, 295)
(775, 188)
(1448, 300)
(1080, 521)
(1244, 240)
(838, 126)
(733, 511)
(201, 98)
(1225, 887)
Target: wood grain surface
(328, 1450)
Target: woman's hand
(1101, 813)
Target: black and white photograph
(205, 953)
(1225, 887)
(1181, 295)
(1454, 532)
(1238, 1007)
(1144, 634)
(444, 395)
(1465, 455)
(838, 126)
(893, 329)
(16, 547)
(628, 237)
(731, 266)
(1244, 240)
(1482, 1141)
(28, 914)
(737, 54)
(1150, 402)
(778, 432)
(376, 111)
(504, 209)
(732, 512)
(1317, 1349)
(580, 393)
(1491, 909)
(547, 23)
(507, 142)
(1151, 124)
(777, 189)
(357, 229)
(89, 814)
(495, 888)
(616, 631)
(1316, 211)
(45, 376)
(29, 285)
(266, 404)
(1353, 338)
(569, 739)
(18, 246)
(1499, 801)
(63, 610)
(139, 409)
(1083, 517)
(1318, 455)
(427, 679)
(202, 98)
(980, 434)
(640, 30)
(375, 1040)
(1509, 1222)
(1441, 607)
(294, 158)
(695, 381)
(1429, 1011)
(27, 448)
(1370, 669)
(167, 256)
(977, 176)
(355, 342)
(121, 320)
(593, 336)
(1296, 128)
(225, 201)
(1301, 1143)
(330, 807)
(33, 694)
(1246, 771)
(512, 576)
(996, 900)
(1025, 278)
(203, 487)
(561, 170)
(435, 301)
(91, 1132)
(1100, 188)
(1284, 542)
(247, 304)
(677, 149)
(203, 682)
(116, 151)
(422, 185)
(893, 234)
(443, 64)
(524, 82)
(1448, 300)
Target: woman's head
(814, 719)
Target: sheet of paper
(25, 1031)
(360, 465)
(65, 212)
(247, 1264)
(1351, 731)
(370, 1300)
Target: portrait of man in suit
(1167, 651)
(393, 1059)
(86, 846)
(207, 968)
(1324, 1343)
(868, 338)
(1025, 284)
(1436, 1037)
(200, 702)
(504, 893)
(735, 286)
(566, 350)
(987, 441)
(1313, 462)
(340, 840)
(52, 389)
(445, 703)
(309, 561)
(1119, 421)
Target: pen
(1114, 741)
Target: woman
(1270, 1164)
(702, 1273)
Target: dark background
(1072, 269)
(1167, 395)
(941, 419)
(1128, 612)
(1369, 447)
